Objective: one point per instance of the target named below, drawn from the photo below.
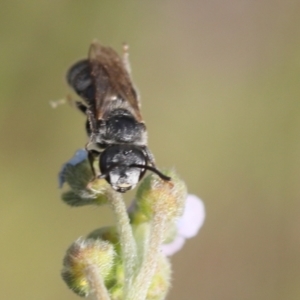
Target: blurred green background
(219, 83)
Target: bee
(116, 130)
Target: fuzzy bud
(77, 174)
(161, 281)
(109, 234)
(83, 254)
(158, 196)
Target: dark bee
(116, 130)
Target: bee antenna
(154, 170)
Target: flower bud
(161, 281)
(77, 174)
(80, 256)
(158, 196)
(109, 234)
(116, 278)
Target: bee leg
(91, 159)
(68, 99)
(126, 58)
(81, 107)
(92, 121)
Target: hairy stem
(127, 241)
(145, 275)
(96, 283)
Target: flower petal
(77, 158)
(173, 247)
(193, 217)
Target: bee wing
(112, 83)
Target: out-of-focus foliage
(219, 83)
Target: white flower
(188, 225)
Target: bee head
(122, 166)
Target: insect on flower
(116, 130)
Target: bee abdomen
(79, 78)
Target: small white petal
(173, 247)
(77, 158)
(193, 217)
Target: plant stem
(145, 275)
(96, 283)
(127, 241)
